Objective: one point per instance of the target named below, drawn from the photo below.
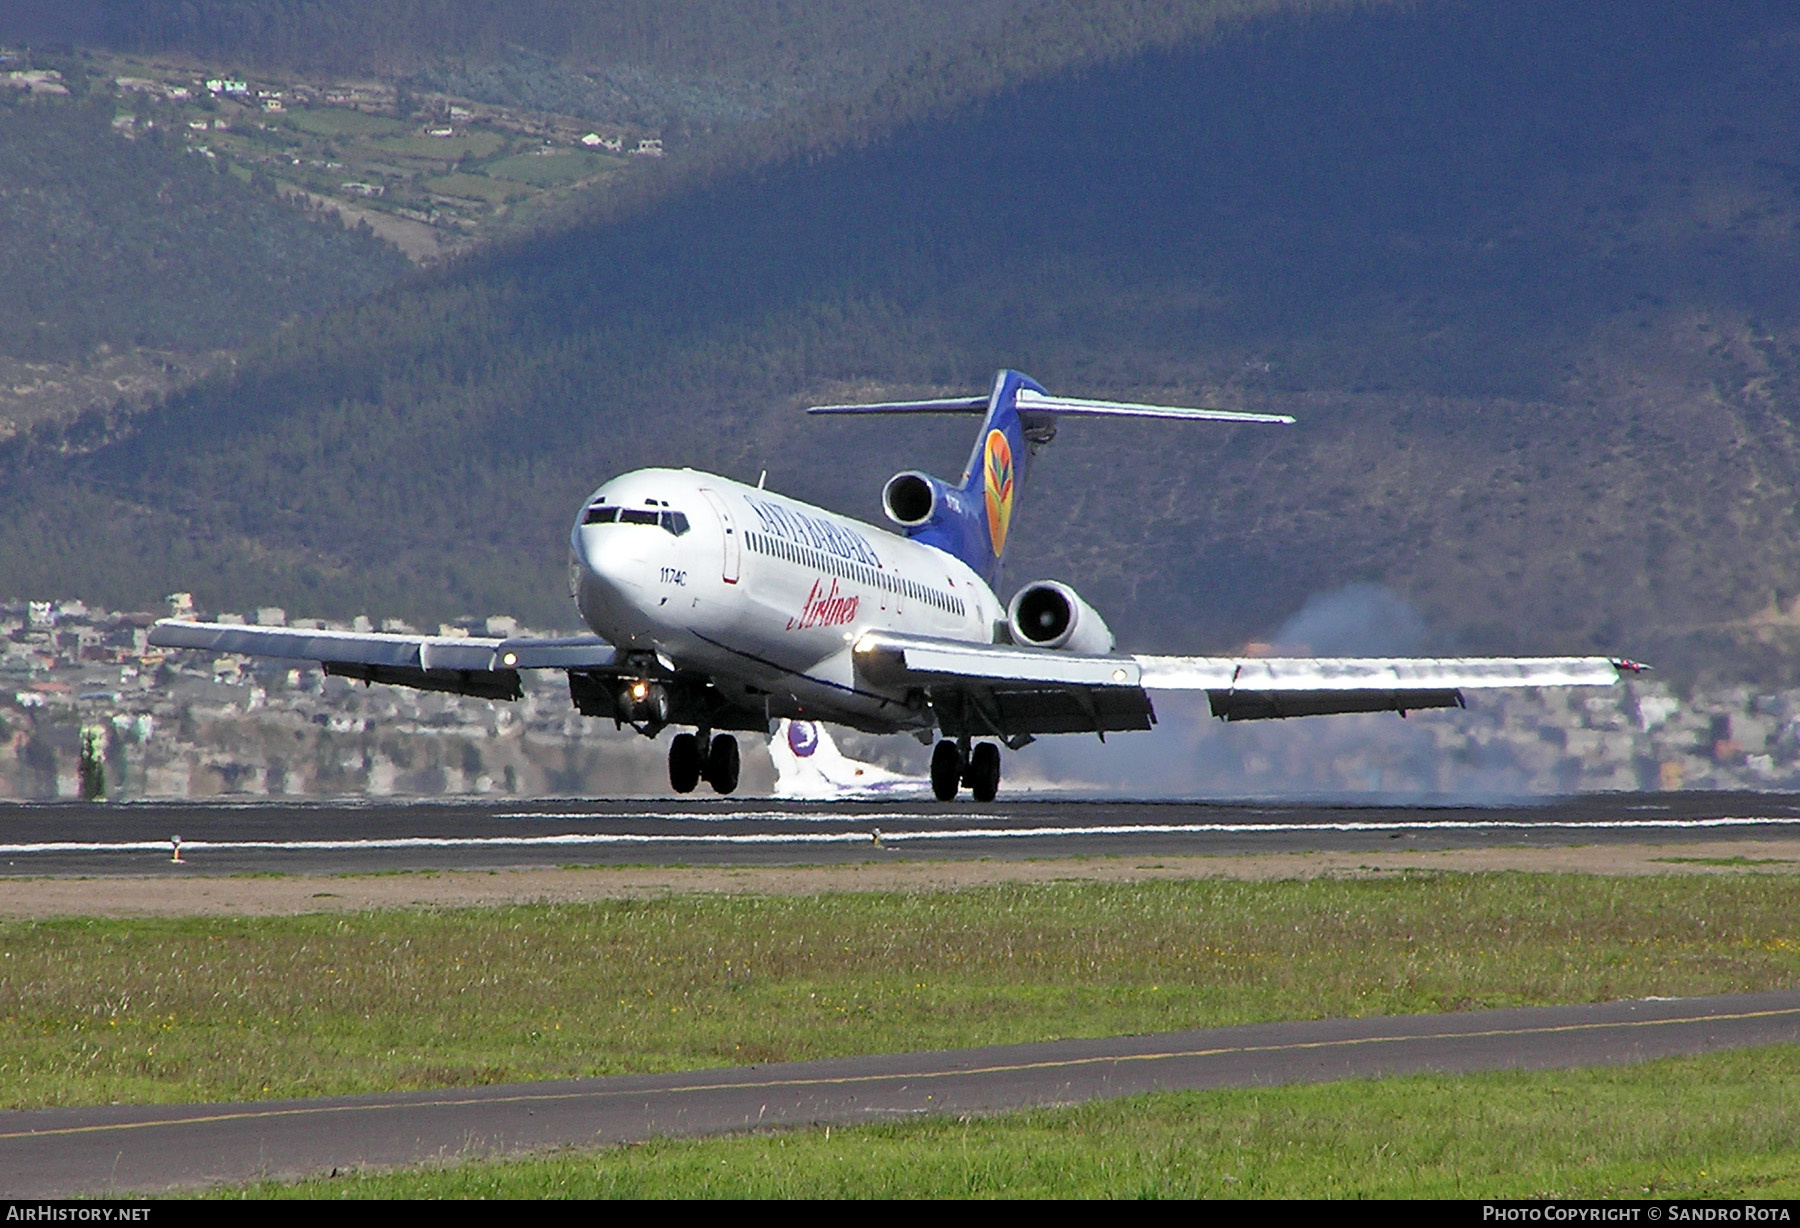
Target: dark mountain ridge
(1526, 272)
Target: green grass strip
(93, 1011)
(1719, 1126)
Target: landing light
(866, 644)
(640, 689)
(1118, 675)
(511, 658)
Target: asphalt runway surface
(135, 838)
(51, 1152)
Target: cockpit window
(671, 522)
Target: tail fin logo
(998, 469)
(802, 738)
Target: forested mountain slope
(138, 242)
(1526, 273)
(127, 261)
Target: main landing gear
(718, 766)
(980, 771)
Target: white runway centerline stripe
(865, 834)
(757, 816)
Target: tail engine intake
(1049, 614)
(911, 499)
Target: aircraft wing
(1012, 692)
(1259, 688)
(480, 666)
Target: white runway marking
(757, 816)
(865, 835)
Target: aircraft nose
(614, 559)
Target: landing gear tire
(722, 764)
(946, 771)
(684, 763)
(984, 771)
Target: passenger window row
(806, 556)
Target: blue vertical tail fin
(992, 479)
(973, 520)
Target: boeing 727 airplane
(723, 607)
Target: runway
(59, 1152)
(136, 838)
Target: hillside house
(35, 81)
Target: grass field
(474, 187)
(94, 1011)
(552, 171)
(339, 122)
(477, 144)
(1720, 1126)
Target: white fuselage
(764, 593)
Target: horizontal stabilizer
(1031, 403)
(1037, 404)
(954, 405)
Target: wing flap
(481, 683)
(1277, 705)
(1013, 710)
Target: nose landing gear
(980, 771)
(718, 765)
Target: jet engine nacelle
(1049, 614)
(912, 498)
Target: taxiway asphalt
(116, 1149)
(136, 838)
